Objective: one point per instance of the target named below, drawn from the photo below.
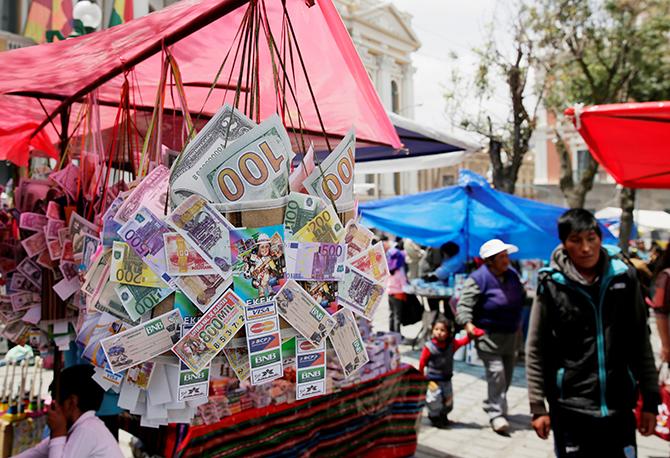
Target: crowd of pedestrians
(588, 357)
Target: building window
(448, 180)
(395, 98)
(9, 16)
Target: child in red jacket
(438, 357)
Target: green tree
(508, 139)
(597, 52)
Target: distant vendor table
(376, 418)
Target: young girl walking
(438, 358)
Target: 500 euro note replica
(185, 180)
(315, 261)
(253, 171)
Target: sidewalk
(470, 436)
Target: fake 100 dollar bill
(253, 171)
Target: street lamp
(86, 18)
(88, 14)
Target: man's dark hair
(78, 380)
(577, 220)
(450, 249)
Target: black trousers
(395, 306)
(578, 435)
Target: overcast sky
(443, 27)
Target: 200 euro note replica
(128, 268)
(143, 342)
(253, 171)
(333, 180)
(300, 209)
(227, 125)
(315, 261)
(347, 342)
(212, 332)
(324, 227)
(302, 312)
(205, 230)
(361, 293)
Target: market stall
(207, 279)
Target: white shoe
(500, 425)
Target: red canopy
(201, 34)
(630, 140)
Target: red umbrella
(630, 140)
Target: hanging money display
(234, 266)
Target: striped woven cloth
(375, 418)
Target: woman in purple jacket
(492, 299)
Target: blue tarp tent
(470, 214)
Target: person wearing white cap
(492, 299)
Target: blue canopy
(469, 214)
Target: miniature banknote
(227, 125)
(24, 300)
(252, 171)
(302, 312)
(80, 225)
(20, 282)
(238, 360)
(302, 171)
(212, 332)
(263, 342)
(128, 268)
(107, 301)
(333, 180)
(110, 227)
(206, 230)
(144, 234)
(52, 228)
(151, 193)
(182, 258)
(203, 290)
(55, 249)
(315, 261)
(142, 342)
(138, 300)
(97, 275)
(324, 227)
(347, 342)
(35, 244)
(361, 293)
(32, 271)
(192, 385)
(300, 209)
(32, 221)
(310, 369)
(324, 293)
(372, 262)
(357, 238)
(68, 179)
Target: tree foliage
(598, 52)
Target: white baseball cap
(495, 246)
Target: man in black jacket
(588, 350)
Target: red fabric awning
(630, 140)
(200, 33)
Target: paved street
(470, 436)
